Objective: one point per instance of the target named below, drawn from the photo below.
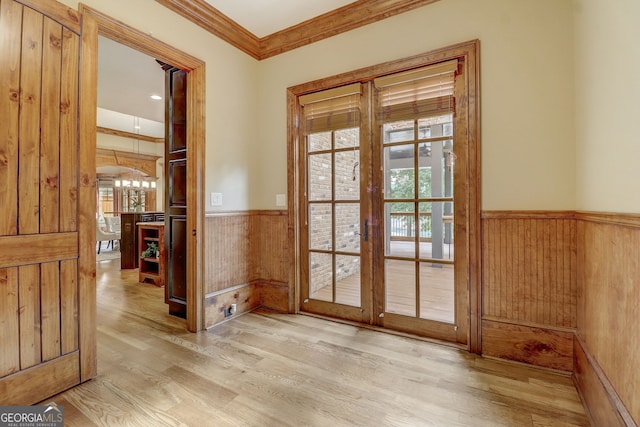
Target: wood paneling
(349, 17)
(536, 346)
(597, 397)
(529, 268)
(246, 298)
(40, 249)
(608, 308)
(246, 248)
(17, 389)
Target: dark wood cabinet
(151, 267)
(129, 235)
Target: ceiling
(127, 78)
(265, 17)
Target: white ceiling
(265, 17)
(126, 80)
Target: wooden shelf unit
(151, 268)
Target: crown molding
(346, 18)
(125, 134)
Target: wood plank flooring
(267, 369)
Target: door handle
(366, 230)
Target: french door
(384, 202)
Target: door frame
(96, 23)
(469, 51)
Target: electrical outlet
(216, 199)
(233, 309)
(281, 200)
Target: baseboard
(601, 402)
(537, 346)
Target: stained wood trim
(144, 162)
(211, 19)
(122, 33)
(601, 402)
(196, 141)
(536, 346)
(245, 213)
(56, 11)
(229, 289)
(529, 214)
(346, 18)
(17, 389)
(124, 134)
(623, 219)
(341, 20)
(87, 199)
(37, 248)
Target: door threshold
(387, 331)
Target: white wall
(231, 85)
(607, 59)
(527, 99)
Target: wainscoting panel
(528, 267)
(609, 303)
(246, 255)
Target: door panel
(402, 179)
(39, 185)
(176, 192)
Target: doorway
(386, 206)
(94, 23)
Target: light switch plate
(281, 200)
(216, 199)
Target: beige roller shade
(331, 109)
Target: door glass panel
(398, 131)
(347, 138)
(320, 177)
(400, 226)
(320, 226)
(399, 172)
(348, 227)
(400, 287)
(434, 178)
(321, 276)
(348, 280)
(347, 175)
(436, 230)
(436, 292)
(319, 141)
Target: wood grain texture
(56, 11)
(280, 369)
(31, 248)
(246, 298)
(529, 268)
(9, 322)
(598, 398)
(608, 303)
(536, 346)
(62, 373)
(346, 18)
(10, 22)
(247, 248)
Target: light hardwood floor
(267, 369)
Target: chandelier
(136, 181)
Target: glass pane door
(333, 224)
(418, 261)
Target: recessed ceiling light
(156, 97)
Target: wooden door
(335, 241)
(44, 268)
(176, 191)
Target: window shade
(423, 92)
(331, 109)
